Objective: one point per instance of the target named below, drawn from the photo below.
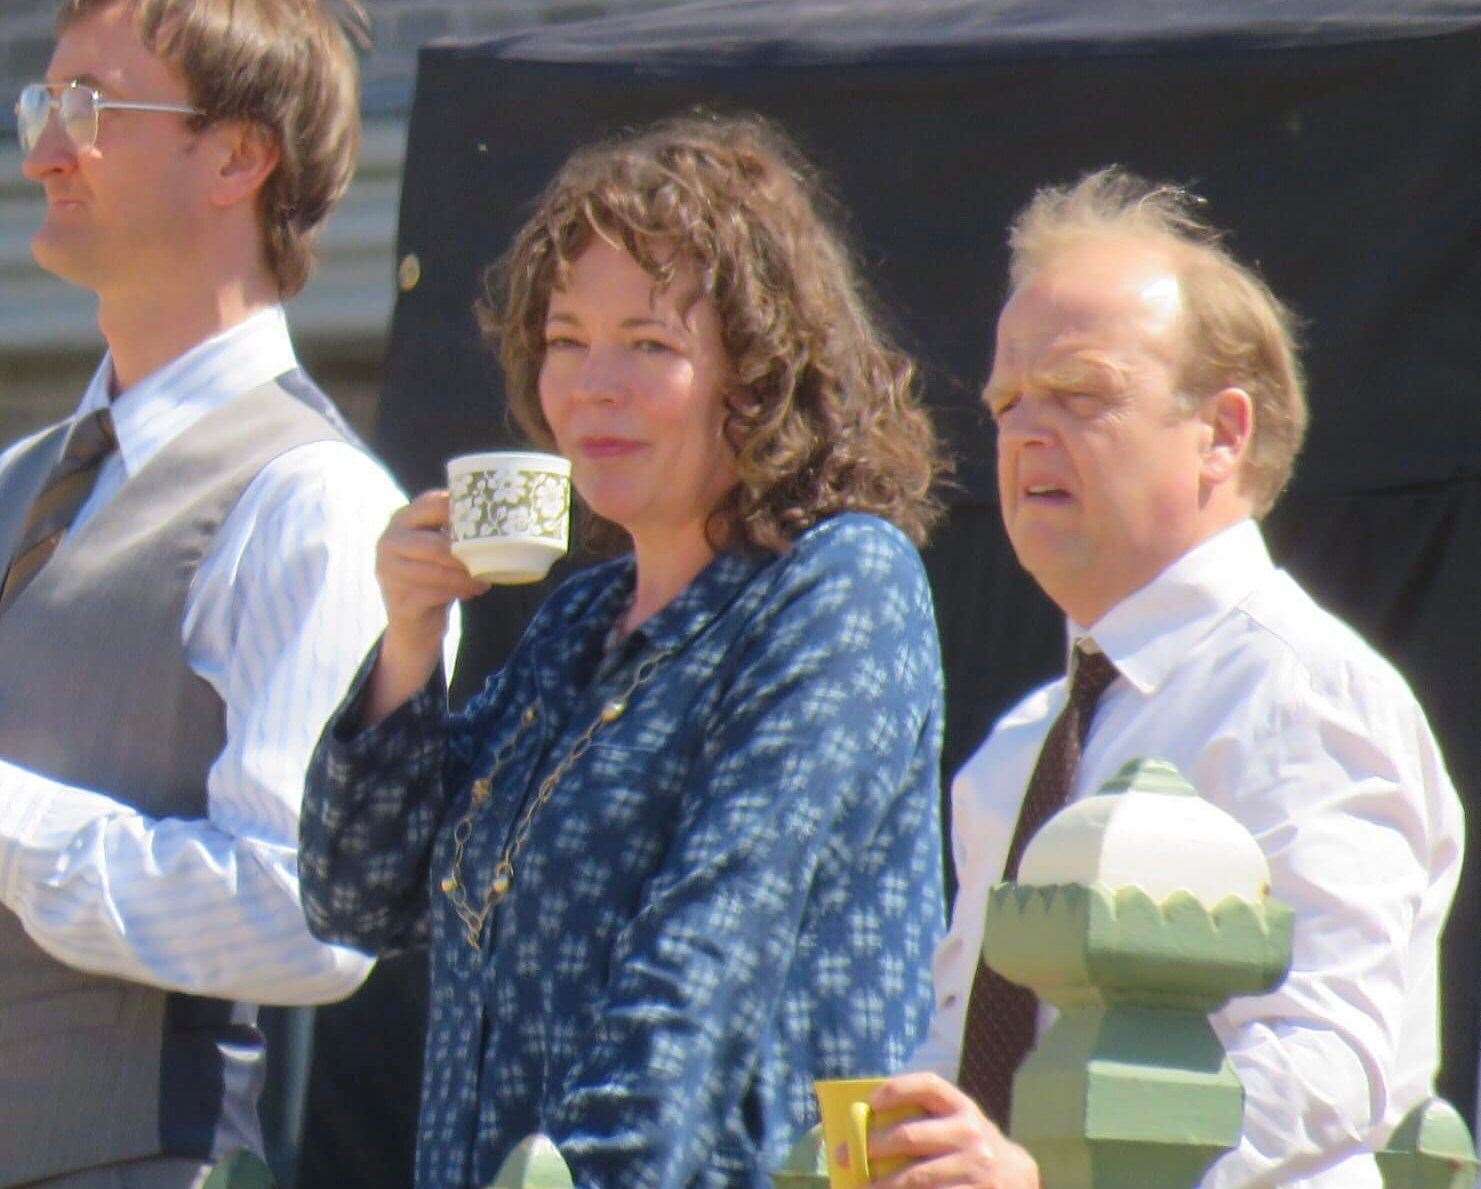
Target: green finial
(1148, 776)
(806, 1166)
(535, 1163)
(1430, 1149)
(241, 1170)
(1130, 1086)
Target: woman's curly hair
(822, 409)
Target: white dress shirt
(1281, 715)
(280, 614)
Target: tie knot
(1093, 672)
(91, 439)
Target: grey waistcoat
(95, 692)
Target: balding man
(1149, 408)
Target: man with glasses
(77, 106)
(186, 587)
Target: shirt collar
(701, 602)
(164, 404)
(669, 630)
(673, 627)
(687, 615)
(1150, 632)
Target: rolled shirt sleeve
(282, 609)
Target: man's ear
(1230, 417)
(245, 158)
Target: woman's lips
(609, 447)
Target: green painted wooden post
(536, 1163)
(1130, 1087)
(1430, 1149)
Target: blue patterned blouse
(734, 890)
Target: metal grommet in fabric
(408, 272)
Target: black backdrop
(1342, 147)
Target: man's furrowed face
(1100, 462)
(125, 209)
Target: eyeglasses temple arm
(124, 105)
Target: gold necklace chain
(452, 883)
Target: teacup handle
(859, 1115)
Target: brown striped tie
(67, 488)
(1001, 1015)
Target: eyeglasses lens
(79, 114)
(30, 115)
(75, 108)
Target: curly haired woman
(681, 856)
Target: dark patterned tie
(1001, 1015)
(67, 488)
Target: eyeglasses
(77, 108)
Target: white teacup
(511, 513)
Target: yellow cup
(848, 1121)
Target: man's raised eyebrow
(993, 393)
(1080, 370)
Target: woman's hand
(419, 579)
(954, 1144)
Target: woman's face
(632, 387)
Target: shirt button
(529, 716)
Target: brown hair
(284, 65)
(1239, 334)
(822, 411)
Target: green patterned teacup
(510, 513)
